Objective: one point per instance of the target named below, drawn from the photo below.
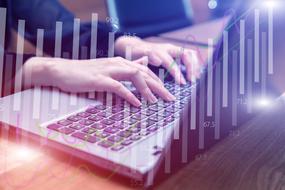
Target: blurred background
(84, 8)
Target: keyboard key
(54, 127)
(84, 114)
(135, 137)
(154, 118)
(101, 134)
(89, 130)
(130, 121)
(152, 129)
(134, 129)
(117, 117)
(92, 110)
(149, 112)
(165, 114)
(138, 117)
(74, 118)
(86, 137)
(115, 138)
(95, 118)
(117, 109)
(126, 142)
(134, 109)
(103, 114)
(117, 148)
(64, 122)
(120, 125)
(101, 107)
(86, 122)
(106, 144)
(111, 130)
(66, 130)
(98, 126)
(108, 122)
(144, 133)
(125, 134)
(76, 126)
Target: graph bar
(234, 86)
(242, 57)
(19, 63)
(93, 45)
(111, 44)
(202, 114)
(40, 43)
(75, 53)
(270, 41)
(249, 74)
(3, 12)
(263, 63)
(57, 53)
(193, 108)
(225, 68)
(217, 101)
(256, 46)
(210, 80)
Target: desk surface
(251, 158)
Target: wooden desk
(252, 158)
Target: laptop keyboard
(117, 127)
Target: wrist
(40, 71)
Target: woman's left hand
(161, 54)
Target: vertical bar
(210, 79)
(217, 100)
(202, 114)
(57, 53)
(225, 67)
(270, 41)
(19, 63)
(3, 12)
(75, 53)
(263, 63)
(93, 45)
(249, 74)
(242, 57)
(193, 101)
(234, 87)
(256, 45)
(37, 89)
(111, 44)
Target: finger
(134, 75)
(190, 60)
(118, 88)
(144, 69)
(172, 67)
(160, 90)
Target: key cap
(125, 134)
(152, 129)
(98, 126)
(92, 110)
(64, 122)
(126, 142)
(76, 126)
(89, 130)
(117, 148)
(101, 134)
(66, 130)
(74, 118)
(111, 130)
(106, 144)
(85, 137)
(115, 138)
(84, 114)
(100, 107)
(135, 137)
(54, 127)
(95, 118)
(108, 122)
(86, 122)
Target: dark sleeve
(44, 14)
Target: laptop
(112, 134)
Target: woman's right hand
(102, 74)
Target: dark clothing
(43, 14)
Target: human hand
(161, 54)
(98, 75)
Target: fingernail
(137, 103)
(183, 81)
(171, 97)
(153, 99)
